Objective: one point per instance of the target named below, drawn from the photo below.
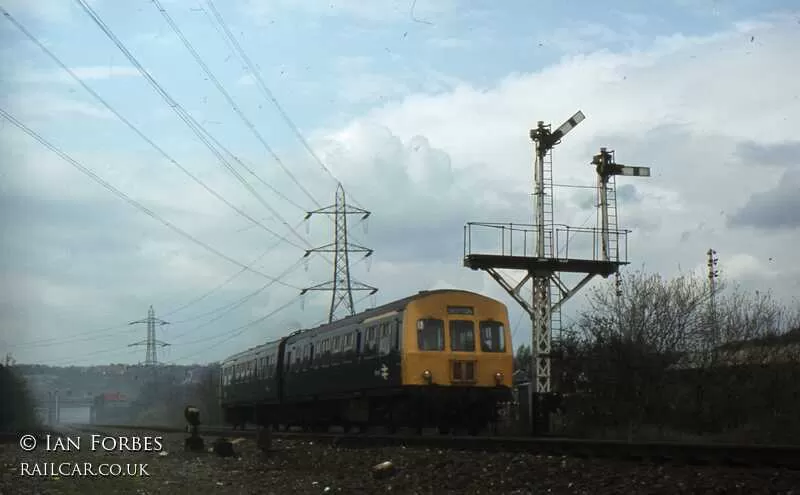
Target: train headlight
(498, 377)
(427, 376)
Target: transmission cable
(221, 88)
(227, 96)
(57, 341)
(235, 332)
(227, 309)
(198, 129)
(236, 304)
(136, 130)
(132, 201)
(266, 91)
(223, 284)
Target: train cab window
(493, 337)
(430, 334)
(462, 335)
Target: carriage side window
(347, 344)
(430, 334)
(396, 340)
(254, 371)
(493, 337)
(368, 343)
(288, 360)
(335, 349)
(386, 338)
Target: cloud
(785, 154)
(425, 163)
(87, 74)
(449, 42)
(776, 208)
(581, 37)
(381, 12)
(40, 105)
(689, 134)
(45, 10)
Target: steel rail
(774, 456)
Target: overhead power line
(92, 334)
(266, 91)
(236, 331)
(228, 98)
(240, 330)
(132, 201)
(136, 130)
(230, 307)
(198, 129)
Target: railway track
(774, 456)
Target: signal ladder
(550, 248)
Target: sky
(420, 109)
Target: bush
(17, 411)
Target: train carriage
(438, 358)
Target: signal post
(541, 251)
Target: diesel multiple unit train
(439, 358)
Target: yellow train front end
(457, 357)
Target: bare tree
(660, 355)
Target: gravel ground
(302, 467)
